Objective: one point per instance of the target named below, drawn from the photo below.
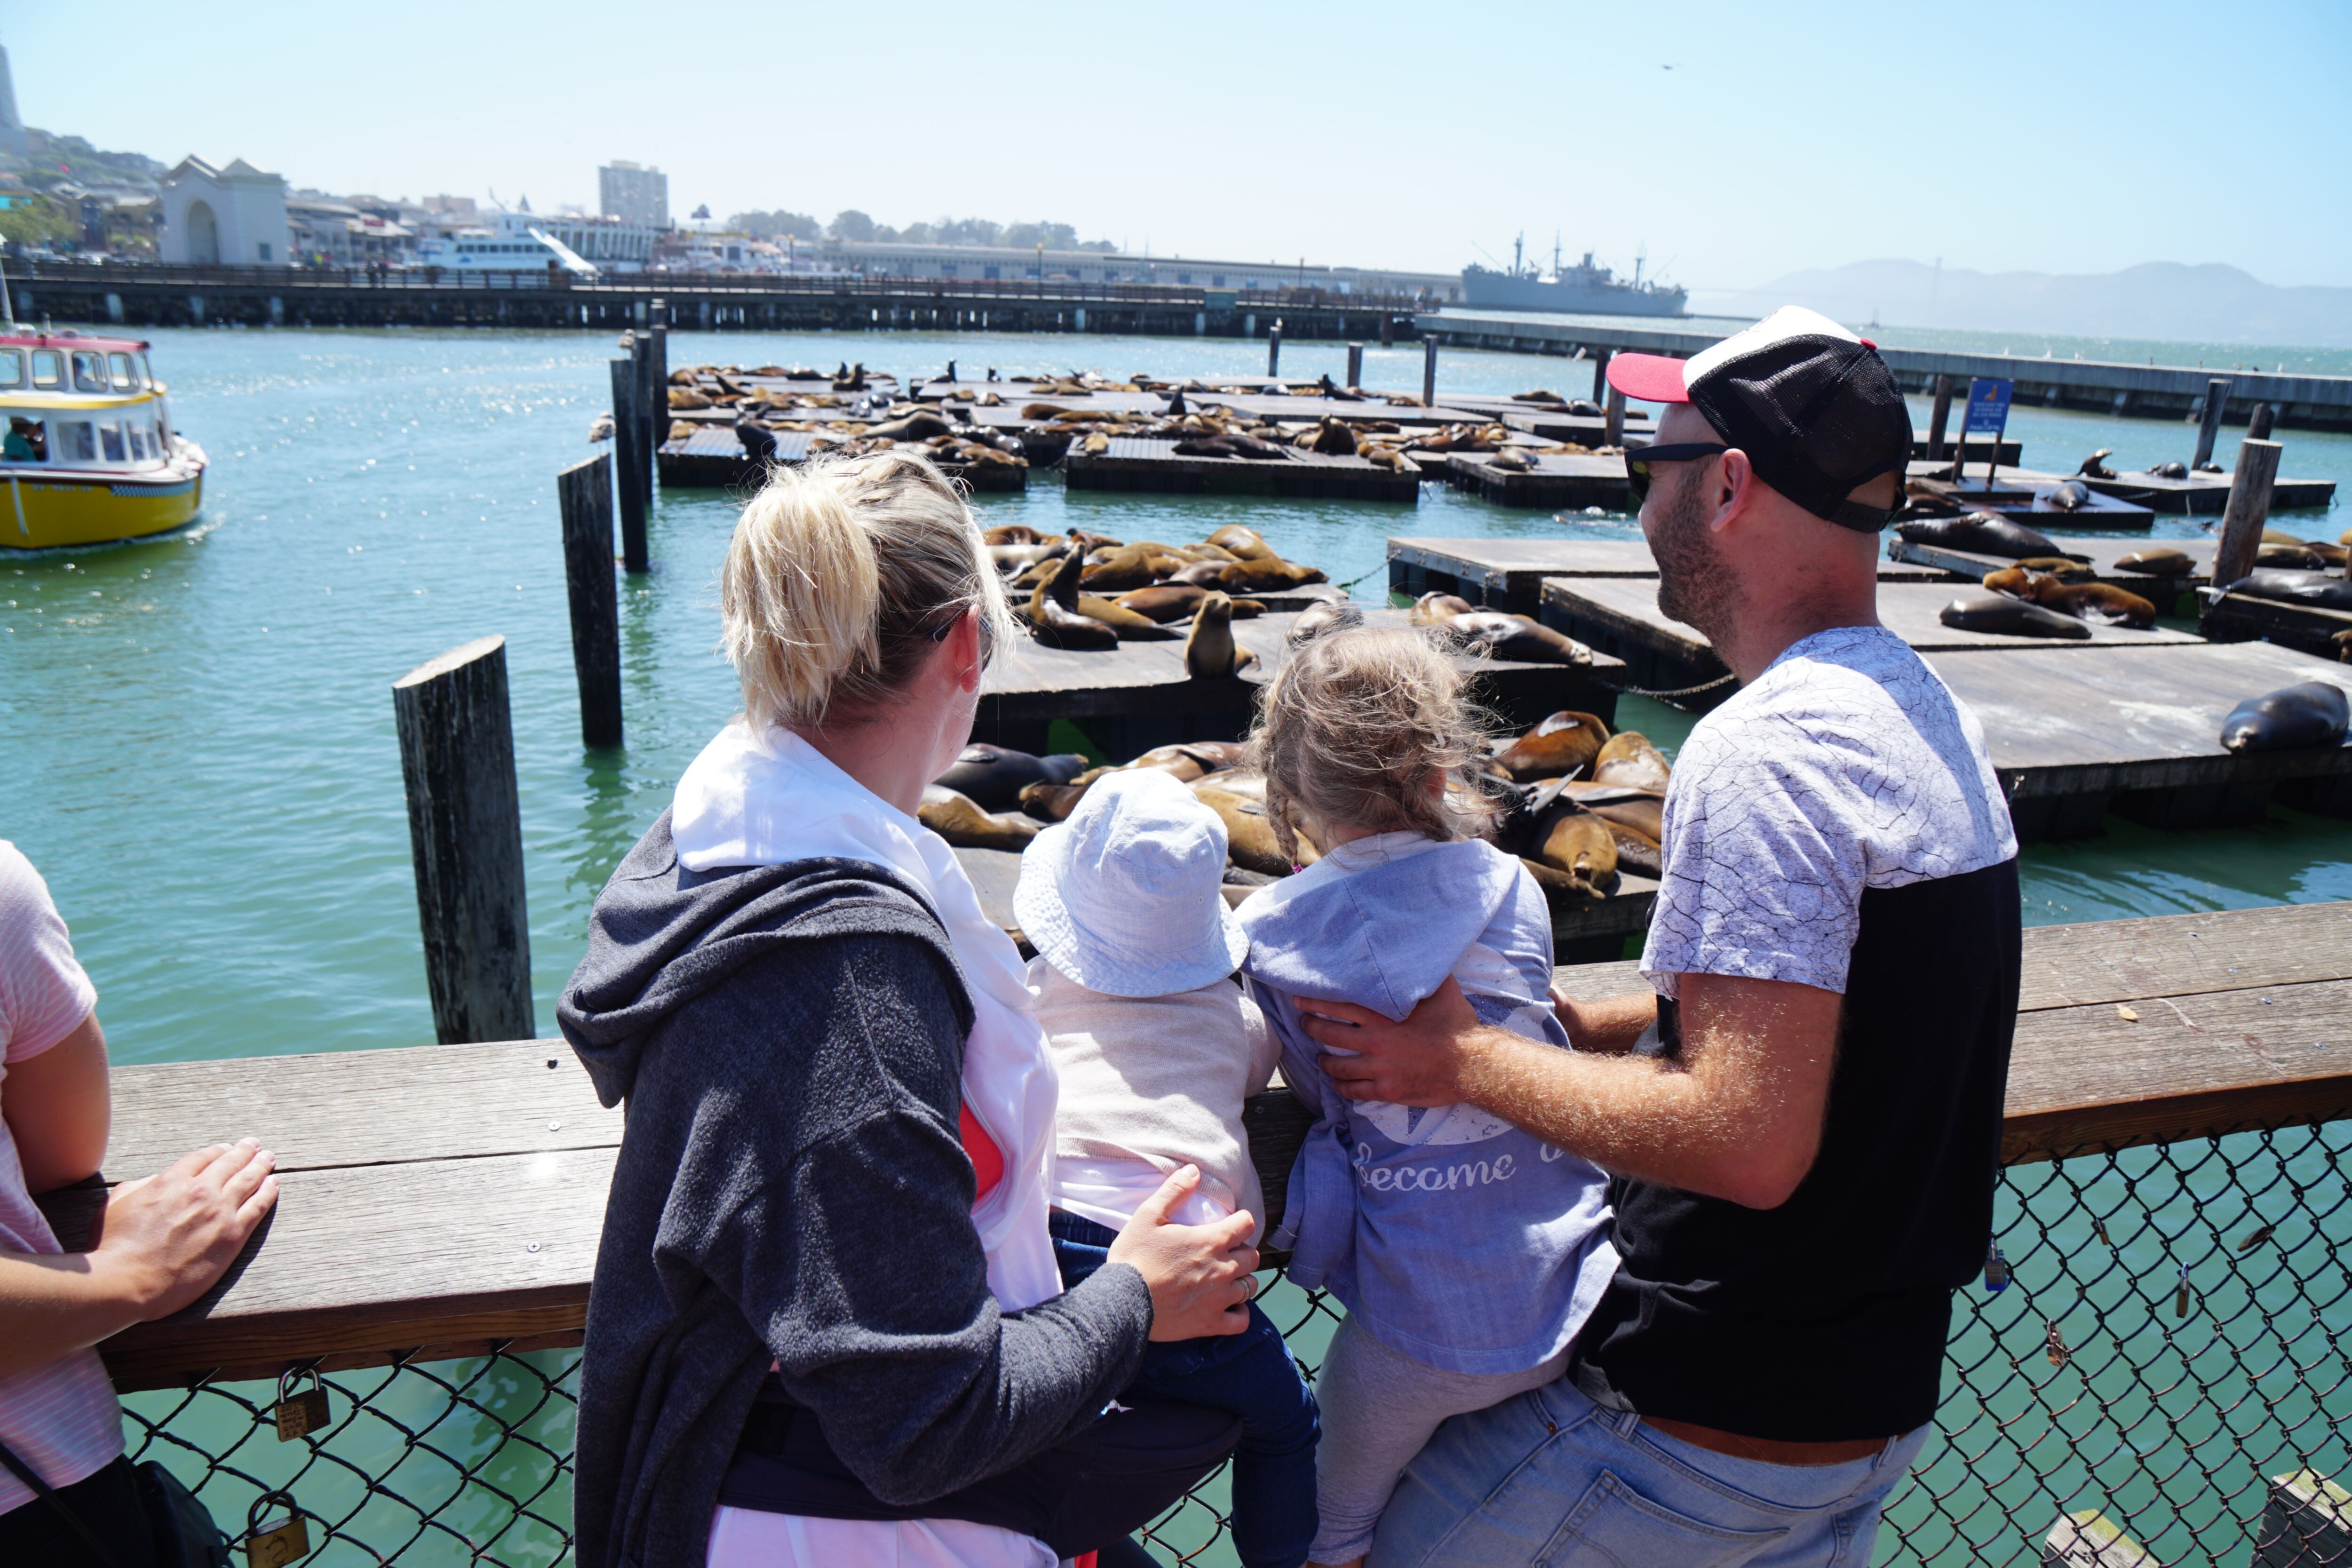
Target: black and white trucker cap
(1813, 406)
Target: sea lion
(1561, 746)
(957, 818)
(2101, 602)
(1054, 616)
(1331, 436)
(2065, 568)
(1513, 460)
(1243, 544)
(2070, 496)
(1012, 533)
(1575, 841)
(1125, 568)
(1431, 609)
(2334, 555)
(2161, 560)
(1249, 832)
(1640, 812)
(994, 776)
(1054, 802)
(1323, 616)
(2095, 467)
(2175, 470)
(2309, 713)
(1230, 445)
(688, 398)
(1163, 602)
(1266, 576)
(1984, 532)
(1013, 557)
(2343, 642)
(2324, 589)
(2013, 618)
(2296, 556)
(1490, 633)
(848, 380)
(2015, 581)
(1200, 574)
(1176, 408)
(1327, 387)
(758, 441)
(1630, 760)
(1210, 651)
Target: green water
(198, 740)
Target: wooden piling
(1940, 419)
(585, 494)
(2258, 422)
(1429, 371)
(652, 407)
(631, 456)
(1601, 375)
(1387, 330)
(2249, 509)
(657, 380)
(2217, 397)
(1273, 350)
(1355, 364)
(1612, 429)
(465, 830)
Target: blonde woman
(825, 1310)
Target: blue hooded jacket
(1452, 1237)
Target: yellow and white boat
(87, 455)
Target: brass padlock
(274, 1546)
(300, 1415)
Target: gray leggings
(1379, 1410)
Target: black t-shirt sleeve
(858, 1263)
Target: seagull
(602, 430)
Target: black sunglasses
(1637, 464)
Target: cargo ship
(1581, 290)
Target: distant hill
(2161, 299)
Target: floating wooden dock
(2104, 553)
(713, 459)
(2023, 496)
(1558, 481)
(443, 1199)
(2207, 495)
(1621, 615)
(2080, 731)
(1509, 573)
(1137, 695)
(2308, 628)
(1144, 463)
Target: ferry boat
(87, 455)
(529, 249)
(1584, 288)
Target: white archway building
(234, 217)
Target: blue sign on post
(1988, 415)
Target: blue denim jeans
(1553, 1478)
(1249, 1374)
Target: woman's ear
(962, 650)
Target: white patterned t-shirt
(1847, 765)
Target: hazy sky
(2042, 136)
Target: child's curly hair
(1367, 727)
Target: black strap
(48, 1494)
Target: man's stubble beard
(1695, 586)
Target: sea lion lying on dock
(1630, 762)
(1491, 634)
(1514, 460)
(2010, 617)
(994, 776)
(2309, 713)
(1434, 609)
(1256, 576)
(2095, 467)
(2175, 470)
(2161, 560)
(1210, 651)
(1249, 832)
(1231, 445)
(1012, 533)
(2101, 602)
(2070, 496)
(1562, 745)
(1981, 532)
(957, 818)
(2324, 589)
(1323, 616)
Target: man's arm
(1737, 1116)
(1607, 1024)
(58, 1108)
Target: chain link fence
(2170, 1342)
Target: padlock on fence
(274, 1545)
(300, 1415)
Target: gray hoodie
(792, 1188)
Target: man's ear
(1735, 487)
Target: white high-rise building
(633, 193)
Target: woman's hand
(1200, 1275)
(171, 1236)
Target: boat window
(89, 371)
(138, 434)
(12, 368)
(126, 373)
(76, 441)
(49, 369)
(110, 441)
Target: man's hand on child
(1200, 1275)
(1420, 1061)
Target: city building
(450, 207)
(328, 231)
(633, 193)
(878, 259)
(234, 216)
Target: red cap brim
(1649, 378)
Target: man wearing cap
(1803, 1117)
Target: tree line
(856, 227)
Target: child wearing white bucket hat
(1156, 1046)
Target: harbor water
(196, 741)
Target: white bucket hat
(1123, 898)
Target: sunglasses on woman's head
(1637, 463)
